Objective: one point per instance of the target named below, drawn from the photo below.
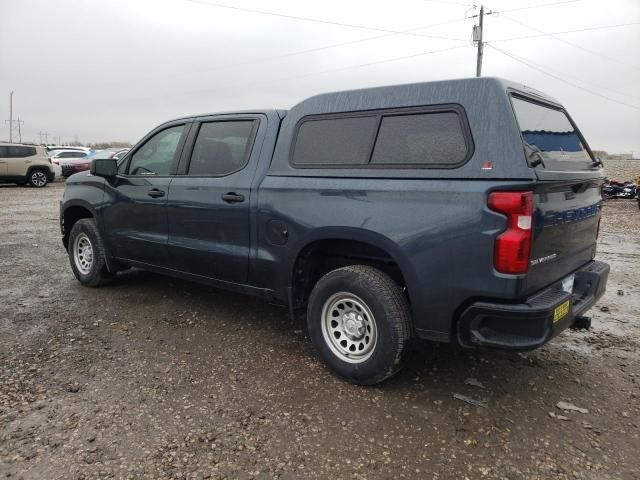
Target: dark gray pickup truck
(461, 211)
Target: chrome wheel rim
(83, 253)
(38, 178)
(349, 328)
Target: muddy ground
(159, 378)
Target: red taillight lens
(513, 247)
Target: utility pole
(10, 117)
(477, 37)
(13, 122)
(44, 135)
(19, 129)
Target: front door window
(158, 155)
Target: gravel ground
(159, 378)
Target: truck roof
(267, 111)
(436, 90)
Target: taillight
(512, 248)
(49, 160)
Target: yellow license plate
(561, 311)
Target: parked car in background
(55, 148)
(70, 166)
(24, 164)
(616, 189)
(463, 211)
(58, 155)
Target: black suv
(460, 211)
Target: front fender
(87, 192)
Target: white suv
(24, 164)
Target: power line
(586, 29)
(360, 65)
(327, 47)
(443, 2)
(567, 42)
(579, 79)
(541, 70)
(529, 7)
(318, 20)
(333, 70)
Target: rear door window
(549, 137)
(222, 148)
(20, 152)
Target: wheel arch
(70, 215)
(345, 246)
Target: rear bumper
(528, 325)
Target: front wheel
(360, 323)
(86, 254)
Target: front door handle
(232, 197)
(155, 193)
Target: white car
(58, 155)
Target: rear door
(567, 197)
(209, 202)
(135, 212)
(19, 160)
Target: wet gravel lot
(153, 377)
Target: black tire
(392, 319)
(96, 273)
(38, 177)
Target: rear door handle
(232, 197)
(155, 193)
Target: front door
(209, 202)
(135, 213)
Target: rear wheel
(360, 323)
(38, 178)
(86, 254)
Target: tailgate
(565, 224)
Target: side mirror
(104, 167)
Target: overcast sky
(112, 70)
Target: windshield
(549, 137)
(100, 154)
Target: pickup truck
(463, 211)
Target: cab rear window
(550, 139)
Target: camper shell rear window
(549, 137)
